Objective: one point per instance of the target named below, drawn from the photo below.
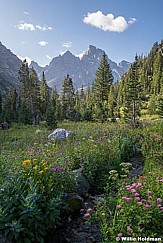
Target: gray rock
(82, 185)
(74, 202)
(60, 134)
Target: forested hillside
(147, 89)
(138, 94)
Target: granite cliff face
(82, 70)
(9, 68)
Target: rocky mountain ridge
(9, 68)
(82, 70)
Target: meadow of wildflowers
(36, 174)
(135, 208)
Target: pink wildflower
(89, 210)
(82, 210)
(159, 200)
(128, 187)
(124, 198)
(136, 194)
(128, 199)
(133, 190)
(120, 235)
(149, 173)
(87, 215)
(150, 198)
(139, 185)
(137, 198)
(134, 185)
(129, 229)
(158, 205)
(147, 206)
(119, 206)
(149, 192)
(143, 200)
(140, 203)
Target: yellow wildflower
(27, 161)
(44, 162)
(35, 167)
(103, 214)
(41, 171)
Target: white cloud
(43, 28)
(67, 44)
(43, 43)
(31, 27)
(50, 58)
(108, 22)
(25, 26)
(132, 20)
(25, 12)
(23, 58)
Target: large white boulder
(60, 134)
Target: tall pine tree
(29, 94)
(134, 88)
(101, 88)
(11, 106)
(67, 99)
(44, 96)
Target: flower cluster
(143, 200)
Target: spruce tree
(134, 88)
(87, 113)
(77, 113)
(111, 104)
(25, 116)
(29, 94)
(160, 105)
(11, 106)
(0, 103)
(34, 96)
(157, 80)
(54, 99)
(67, 99)
(44, 96)
(101, 87)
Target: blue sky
(43, 29)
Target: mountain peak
(82, 70)
(67, 53)
(92, 48)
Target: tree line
(138, 93)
